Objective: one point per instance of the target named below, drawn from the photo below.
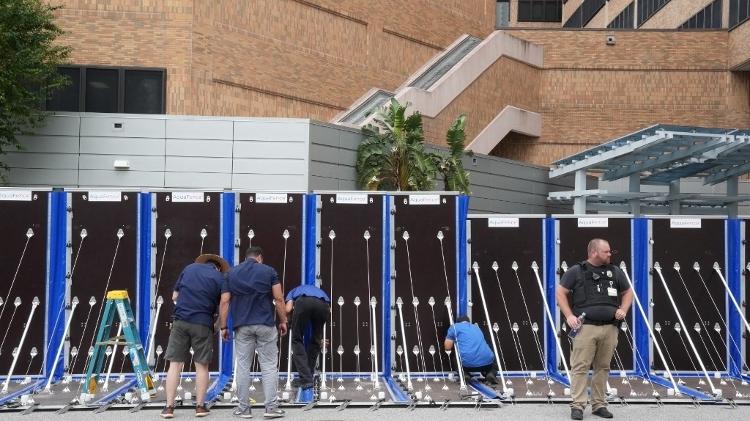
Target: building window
(739, 12)
(708, 18)
(502, 13)
(111, 90)
(539, 10)
(67, 98)
(101, 90)
(585, 12)
(625, 19)
(648, 8)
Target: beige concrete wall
(739, 46)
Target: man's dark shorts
(185, 335)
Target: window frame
(543, 3)
(121, 70)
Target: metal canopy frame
(660, 155)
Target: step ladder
(118, 303)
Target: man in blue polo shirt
(475, 354)
(312, 307)
(196, 295)
(252, 295)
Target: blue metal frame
(226, 247)
(143, 289)
(385, 305)
(734, 280)
(310, 209)
(462, 212)
(56, 235)
(640, 263)
(309, 250)
(550, 281)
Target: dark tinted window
(739, 12)
(144, 91)
(102, 90)
(110, 90)
(585, 12)
(647, 8)
(624, 19)
(708, 18)
(539, 10)
(67, 98)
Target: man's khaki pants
(592, 347)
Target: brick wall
(286, 58)
(591, 92)
(312, 59)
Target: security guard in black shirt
(600, 290)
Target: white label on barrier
(16, 195)
(270, 198)
(187, 196)
(593, 222)
(105, 196)
(685, 223)
(424, 199)
(351, 198)
(502, 222)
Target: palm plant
(393, 156)
(451, 166)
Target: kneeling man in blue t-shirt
(475, 354)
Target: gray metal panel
(42, 177)
(266, 149)
(193, 180)
(187, 128)
(481, 204)
(49, 144)
(199, 165)
(339, 172)
(106, 178)
(271, 130)
(270, 166)
(41, 160)
(60, 125)
(323, 135)
(326, 153)
(350, 140)
(264, 182)
(137, 163)
(201, 147)
(323, 183)
(122, 146)
(129, 126)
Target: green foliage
(393, 155)
(452, 168)
(28, 67)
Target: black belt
(599, 323)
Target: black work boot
(602, 412)
(576, 414)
